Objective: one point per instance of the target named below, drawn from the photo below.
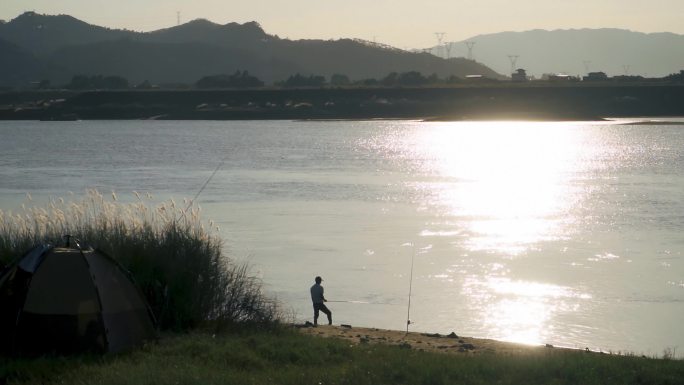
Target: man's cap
(319, 279)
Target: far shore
(552, 102)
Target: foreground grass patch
(282, 356)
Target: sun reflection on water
(502, 190)
(508, 180)
(520, 311)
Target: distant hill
(19, 67)
(248, 35)
(613, 51)
(42, 34)
(165, 63)
(190, 51)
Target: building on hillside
(519, 76)
(595, 77)
(560, 78)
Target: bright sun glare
(508, 178)
(507, 188)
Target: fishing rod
(165, 297)
(408, 310)
(194, 199)
(350, 302)
(364, 302)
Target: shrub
(177, 262)
(298, 80)
(237, 80)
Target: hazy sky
(402, 23)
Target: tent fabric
(33, 258)
(66, 300)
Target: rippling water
(561, 233)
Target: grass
(281, 356)
(175, 257)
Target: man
(318, 301)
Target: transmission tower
(177, 17)
(587, 63)
(470, 45)
(447, 47)
(625, 67)
(440, 38)
(514, 61)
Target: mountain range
(576, 52)
(36, 47)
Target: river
(538, 232)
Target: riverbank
(561, 102)
(425, 342)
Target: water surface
(561, 233)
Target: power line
(470, 45)
(447, 46)
(514, 61)
(440, 38)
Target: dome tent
(68, 300)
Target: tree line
(243, 79)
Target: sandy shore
(432, 342)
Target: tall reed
(174, 256)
